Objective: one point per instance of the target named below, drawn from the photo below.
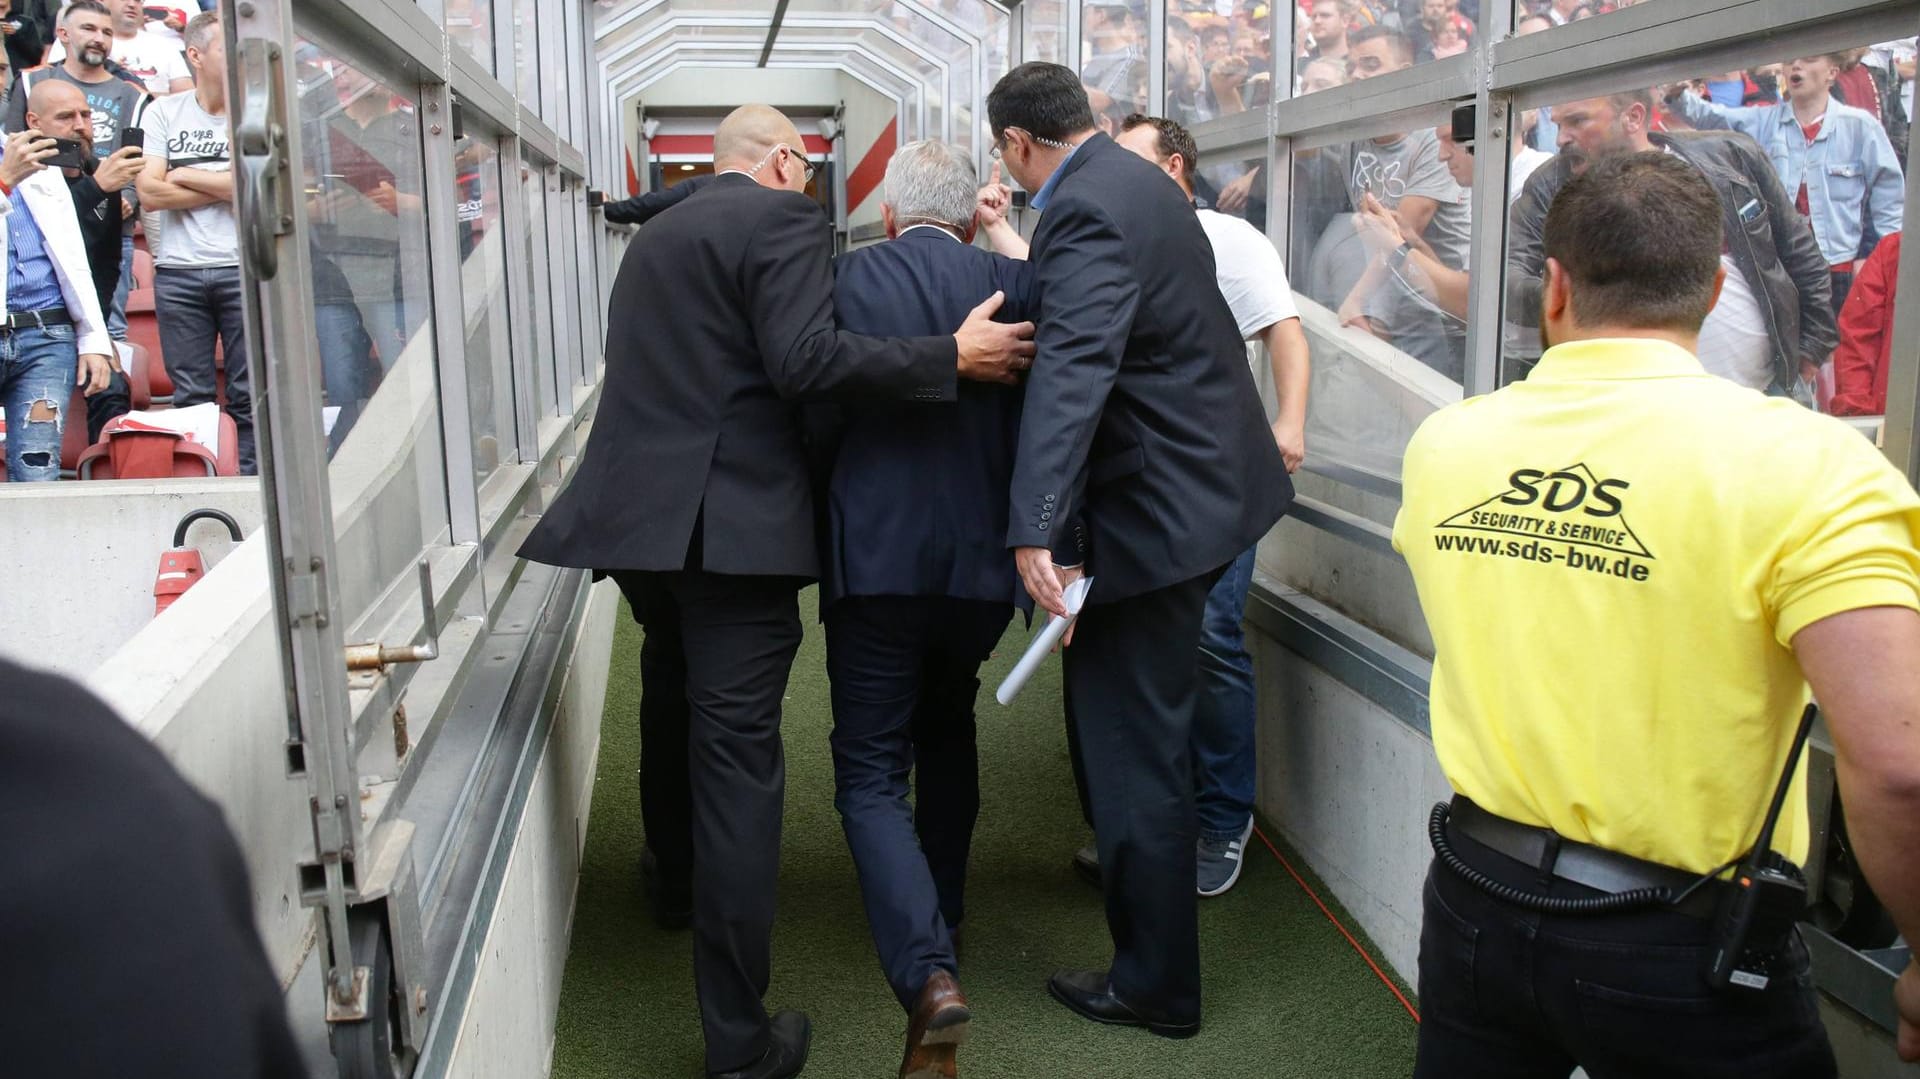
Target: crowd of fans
(1809, 155)
(143, 91)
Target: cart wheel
(371, 1048)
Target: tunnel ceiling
(935, 59)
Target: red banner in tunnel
(866, 176)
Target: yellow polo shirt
(1614, 556)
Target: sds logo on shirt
(1563, 491)
(1569, 516)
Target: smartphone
(68, 154)
(134, 137)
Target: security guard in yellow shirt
(1632, 571)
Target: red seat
(143, 326)
(131, 454)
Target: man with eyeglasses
(1141, 422)
(693, 494)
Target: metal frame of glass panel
(354, 863)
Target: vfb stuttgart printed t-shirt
(186, 136)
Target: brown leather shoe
(937, 1027)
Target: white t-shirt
(1734, 342)
(183, 134)
(1250, 273)
(1523, 165)
(157, 59)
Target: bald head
(59, 109)
(749, 134)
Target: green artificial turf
(1285, 995)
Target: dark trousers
(108, 405)
(1133, 672)
(905, 672)
(735, 638)
(1508, 994)
(193, 307)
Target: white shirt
(157, 59)
(1523, 165)
(1249, 273)
(1734, 342)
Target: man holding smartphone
(59, 110)
(115, 105)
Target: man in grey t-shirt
(1403, 173)
(188, 181)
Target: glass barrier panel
(470, 25)
(1219, 62)
(526, 52)
(1379, 233)
(1113, 60)
(364, 177)
(483, 288)
(540, 309)
(1344, 40)
(1812, 186)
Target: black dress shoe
(671, 899)
(788, 1034)
(1088, 993)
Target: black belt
(1581, 863)
(46, 316)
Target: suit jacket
(642, 208)
(917, 494)
(47, 199)
(1141, 414)
(720, 319)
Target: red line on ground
(1311, 894)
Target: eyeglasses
(804, 163)
(1001, 142)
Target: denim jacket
(1850, 170)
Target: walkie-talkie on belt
(1766, 896)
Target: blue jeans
(1223, 710)
(117, 314)
(36, 368)
(194, 306)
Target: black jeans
(734, 639)
(193, 306)
(1509, 994)
(905, 671)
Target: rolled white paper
(1043, 643)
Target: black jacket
(640, 209)
(917, 499)
(126, 919)
(1140, 409)
(26, 45)
(720, 318)
(1771, 244)
(100, 230)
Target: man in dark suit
(693, 494)
(917, 589)
(1142, 421)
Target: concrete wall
(80, 560)
(1350, 786)
(507, 1031)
